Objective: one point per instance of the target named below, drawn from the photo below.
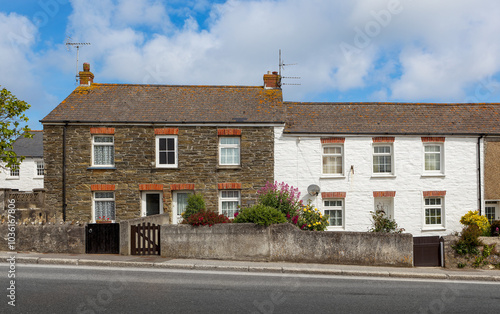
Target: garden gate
(428, 251)
(102, 238)
(145, 239)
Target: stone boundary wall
(162, 219)
(451, 258)
(63, 238)
(285, 243)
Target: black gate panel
(427, 251)
(102, 238)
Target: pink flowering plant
(281, 196)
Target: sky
(443, 51)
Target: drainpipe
(64, 173)
(479, 173)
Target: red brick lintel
(333, 194)
(434, 193)
(383, 139)
(229, 186)
(110, 131)
(222, 132)
(102, 187)
(433, 139)
(333, 140)
(167, 131)
(150, 187)
(384, 193)
(181, 186)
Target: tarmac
(116, 260)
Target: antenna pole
(77, 45)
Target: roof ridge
(173, 85)
(324, 103)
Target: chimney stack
(86, 77)
(272, 80)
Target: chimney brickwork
(86, 77)
(272, 80)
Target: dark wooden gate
(102, 238)
(427, 251)
(145, 239)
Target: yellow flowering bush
(473, 218)
(310, 218)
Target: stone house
(122, 151)
(425, 165)
(29, 175)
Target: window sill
(333, 177)
(38, 178)
(101, 168)
(381, 176)
(13, 178)
(231, 167)
(166, 168)
(335, 229)
(430, 175)
(437, 228)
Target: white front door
(179, 205)
(152, 203)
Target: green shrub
(469, 240)
(207, 217)
(495, 228)
(473, 218)
(261, 215)
(382, 223)
(195, 204)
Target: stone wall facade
(492, 168)
(134, 150)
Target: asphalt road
(70, 289)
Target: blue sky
(345, 51)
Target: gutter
(64, 205)
(479, 177)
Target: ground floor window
(385, 204)
(104, 206)
(179, 205)
(152, 203)
(334, 208)
(490, 210)
(229, 202)
(434, 211)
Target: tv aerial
(77, 45)
(282, 66)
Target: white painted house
(422, 164)
(30, 173)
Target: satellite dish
(313, 190)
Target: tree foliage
(12, 119)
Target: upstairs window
(14, 172)
(229, 151)
(39, 168)
(166, 151)
(433, 158)
(383, 159)
(333, 159)
(103, 151)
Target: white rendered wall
(298, 163)
(27, 181)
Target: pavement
(116, 260)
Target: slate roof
(115, 103)
(392, 118)
(29, 147)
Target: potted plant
(103, 220)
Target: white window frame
(441, 206)
(324, 155)
(494, 205)
(223, 199)
(334, 207)
(229, 146)
(157, 151)
(14, 173)
(39, 169)
(176, 219)
(94, 144)
(144, 204)
(94, 200)
(386, 204)
(391, 154)
(441, 158)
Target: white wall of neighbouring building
(28, 178)
(298, 162)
